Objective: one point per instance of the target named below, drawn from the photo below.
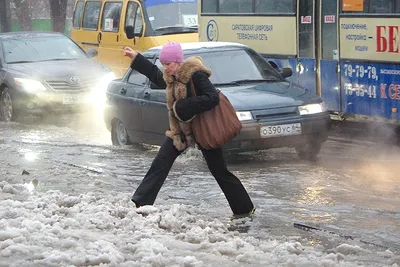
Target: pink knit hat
(171, 52)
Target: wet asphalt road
(350, 191)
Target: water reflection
(31, 156)
(314, 196)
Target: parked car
(274, 112)
(46, 72)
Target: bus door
(328, 55)
(307, 27)
(132, 16)
(110, 49)
(88, 36)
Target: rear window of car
(41, 49)
(237, 64)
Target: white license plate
(280, 130)
(73, 99)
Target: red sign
(306, 19)
(387, 39)
(329, 19)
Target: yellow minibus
(109, 25)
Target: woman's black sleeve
(206, 98)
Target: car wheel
(7, 112)
(309, 151)
(119, 135)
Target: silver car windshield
(41, 49)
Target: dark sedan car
(274, 112)
(46, 73)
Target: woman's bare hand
(129, 52)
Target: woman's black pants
(234, 191)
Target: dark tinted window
(235, 6)
(111, 16)
(329, 32)
(209, 6)
(381, 6)
(78, 14)
(274, 6)
(41, 48)
(306, 30)
(91, 15)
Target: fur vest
(181, 132)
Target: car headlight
(30, 85)
(312, 109)
(244, 115)
(105, 80)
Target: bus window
(236, 6)
(306, 31)
(91, 15)
(130, 13)
(209, 6)
(274, 6)
(134, 17)
(329, 34)
(381, 6)
(172, 14)
(397, 7)
(78, 14)
(111, 16)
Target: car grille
(281, 115)
(83, 85)
(275, 113)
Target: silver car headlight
(312, 109)
(244, 115)
(30, 85)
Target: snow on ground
(104, 229)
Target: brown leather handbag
(218, 126)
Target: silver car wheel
(6, 106)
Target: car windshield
(238, 66)
(41, 49)
(172, 15)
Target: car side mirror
(286, 72)
(92, 52)
(130, 32)
(155, 86)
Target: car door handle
(147, 95)
(123, 91)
